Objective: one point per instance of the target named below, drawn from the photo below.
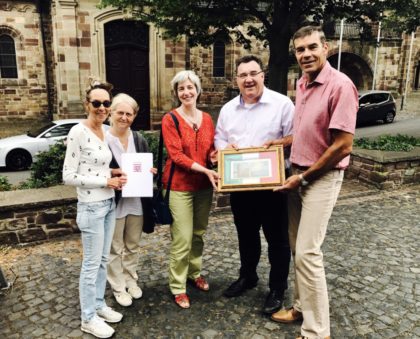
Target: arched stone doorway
(355, 68)
(127, 64)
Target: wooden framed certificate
(249, 169)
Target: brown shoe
(287, 316)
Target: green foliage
(47, 170)
(4, 184)
(397, 143)
(152, 139)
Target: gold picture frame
(249, 169)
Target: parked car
(18, 152)
(376, 105)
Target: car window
(366, 99)
(37, 131)
(59, 131)
(374, 98)
(379, 97)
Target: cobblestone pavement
(372, 262)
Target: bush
(152, 139)
(47, 170)
(397, 143)
(4, 184)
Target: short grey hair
(124, 98)
(183, 76)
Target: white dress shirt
(252, 125)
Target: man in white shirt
(255, 118)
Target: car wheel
(389, 117)
(18, 160)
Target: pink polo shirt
(329, 102)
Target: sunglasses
(97, 103)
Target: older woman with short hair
(131, 212)
(192, 184)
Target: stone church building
(49, 48)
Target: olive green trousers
(190, 212)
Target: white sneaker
(97, 327)
(123, 298)
(109, 315)
(135, 292)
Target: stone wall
(26, 96)
(385, 170)
(33, 215)
(42, 214)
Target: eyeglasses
(252, 74)
(97, 103)
(120, 114)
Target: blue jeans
(96, 221)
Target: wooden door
(127, 64)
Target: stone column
(66, 43)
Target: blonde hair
(124, 98)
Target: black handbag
(161, 209)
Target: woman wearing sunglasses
(191, 192)
(87, 166)
(131, 213)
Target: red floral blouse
(185, 150)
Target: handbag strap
(160, 160)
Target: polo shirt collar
(322, 77)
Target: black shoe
(239, 287)
(273, 302)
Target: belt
(304, 168)
(300, 168)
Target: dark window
(219, 59)
(374, 98)
(8, 68)
(59, 131)
(379, 97)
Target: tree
(273, 22)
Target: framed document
(251, 169)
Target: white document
(139, 178)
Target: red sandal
(182, 300)
(200, 283)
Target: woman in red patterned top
(191, 191)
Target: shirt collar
(321, 78)
(265, 98)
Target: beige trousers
(190, 211)
(310, 209)
(124, 255)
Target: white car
(18, 152)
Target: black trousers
(267, 209)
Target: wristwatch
(303, 182)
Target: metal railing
(354, 31)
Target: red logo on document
(137, 167)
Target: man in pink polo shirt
(323, 129)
